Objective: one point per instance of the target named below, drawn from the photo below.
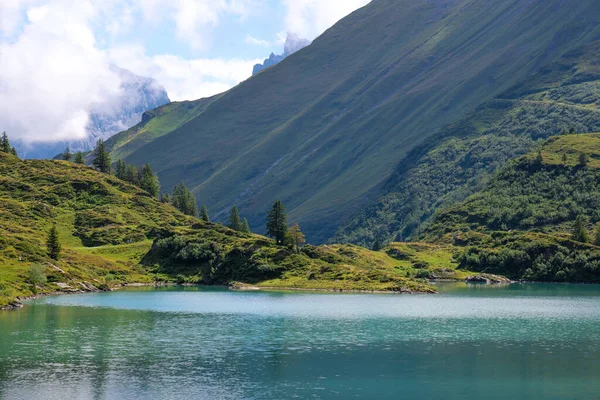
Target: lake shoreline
(236, 286)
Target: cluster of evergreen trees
(277, 228)
(77, 158)
(143, 177)
(5, 145)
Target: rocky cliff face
(139, 95)
(292, 44)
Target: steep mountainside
(522, 223)
(154, 124)
(114, 233)
(324, 129)
(564, 96)
(139, 95)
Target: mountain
(113, 233)
(521, 223)
(139, 95)
(293, 43)
(325, 129)
(562, 96)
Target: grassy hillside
(114, 233)
(521, 224)
(563, 96)
(324, 129)
(155, 123)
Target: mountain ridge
(324, 129)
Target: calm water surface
(471, 342)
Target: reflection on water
(470, 342)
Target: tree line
(5, 145)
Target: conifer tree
(101, 157)
(597, 236)
(165, 198)
(564, 158)
(204, 214)
(583, 159)
(245, 226)
(235, 222)
(377, 246)
(148, 181)
(131, 175)
(184, 200)
(67, 155)
(5, 144)
(79, 158)
(539, 159)
(121, 170)
(296, 237)
(579, 232)
(53, 243)
(13, 151)
(277, 223)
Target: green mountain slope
(114, 233)
(155, 123)
(521, 224)
(461, 159)
(324, 129)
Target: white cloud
(54, 69)
(195, 18)
(52, 74)
(184, 79)
(310, 18)
(257, 42)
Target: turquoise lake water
(522, 341)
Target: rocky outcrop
(487, 279)
(292, 44)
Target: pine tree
(131, 175)
(277, 223)
(539, 159)
(5, 144)
(564, 158)
(165, 198)
(53, 243)
(101, 157)
(579, 232)
(184, 200)
(79, 158)
(204, 214)
(121, 170)
(583, 159)
(377, 246)
(235, 222)
(245, 228)
(296, 237)
(148, 181)
(67, 155)
(13, 151)
(597, 236)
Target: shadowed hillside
(563, 96)
(324, 129)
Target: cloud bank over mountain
(56, 55)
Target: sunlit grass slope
(114, 233)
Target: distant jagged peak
(293, 43)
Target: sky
(55, 55)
